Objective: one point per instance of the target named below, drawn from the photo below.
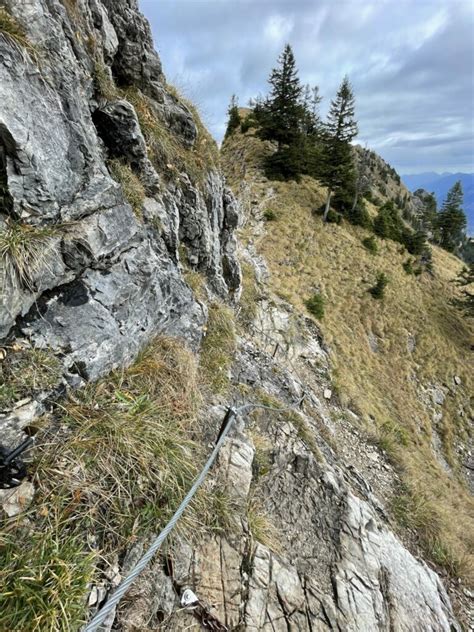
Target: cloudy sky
(411, 63)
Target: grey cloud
(411, 63)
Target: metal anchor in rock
(201, 611)
(13, 469)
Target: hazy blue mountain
(440, 183)
(418, 180)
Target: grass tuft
(130, 438)
(250, 295)
(103, 82)
(25, 372)
(72, 9)
(120, 461)
(304, 433)
(12, 30)
(166, 152)
(262, 457)
(132, 187)
(261, 526)
(205, 152)
(392, 438)
(197, 282)
(44, 577)
(218, 348)
(416, 510)
(218, 509)
(25, 251)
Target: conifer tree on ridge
(280, 115)
(452, 219)
(234, 116)
(341, 129)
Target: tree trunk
(328, 204)
(356, 199)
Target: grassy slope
(384, 386)
(114, 466)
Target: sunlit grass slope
(386, 354)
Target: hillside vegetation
(402, 363)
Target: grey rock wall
(104, 281)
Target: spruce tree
(452, 219)
(234, 120)
(429, 215)
(280, 115)
(388, 224)
(310, 147)
(340, 130)
(414, 241)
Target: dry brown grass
(205, 151)
(304, 256)
(25, 251)
(14, 32)
(241, 157)
(72, 8)
(260, 525)
(218, 347)
(262, 455)
(167, 153)
(197, 282)
(128, 455)
(103, 82)
(25, 372)
(123, 454)
(132, 187)
(248, 304)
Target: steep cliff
(75, 254)
(127, 331)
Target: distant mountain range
(440, 183)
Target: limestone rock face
(336, 565)
(106, 281)
(325, 559)
(104, 318)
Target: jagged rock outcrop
(331, 562)
(104, 280)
